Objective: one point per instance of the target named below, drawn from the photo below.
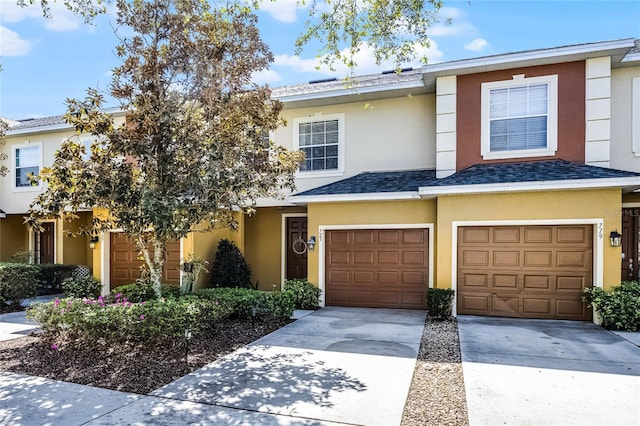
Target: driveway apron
(347, 365)
(543, 372)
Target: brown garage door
(125, 265)
(386, 268)
(524, 271)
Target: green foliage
(22, 256)
(248, 303)
(142, 292)
(307, 295)
(192, 267)
(155, 321)
(193, 126)
(440, 302)
(618, 308)
(230, 268)
(81, 287)
(18, 281)
(52, 276)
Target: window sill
(318, 174)
(27, 188)
(525, 153)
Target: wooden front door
(296, 256)
(44, 244)
(630, 229)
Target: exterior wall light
(3, 214)
(615, 238)
(312, 243)
(93, 240)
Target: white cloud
(62, 19)
(11, 44)
(477, 45)
(281, 10)
(265, 77)
(364, 58)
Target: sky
(46, 61)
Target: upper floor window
(321, 139)
(27, 161)
(519, 117)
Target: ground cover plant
(618, 308)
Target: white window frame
(552, 117)
(86, 142)
(341, 149)
(14, 149)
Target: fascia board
(531, 186)
(568, 52)
(416, 84)
(338, 198)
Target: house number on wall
(600, 229)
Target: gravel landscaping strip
(437, 395)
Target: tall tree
(394, 29)
(192, 150)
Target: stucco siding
(13, 236)
(623, 115)
(385, 134)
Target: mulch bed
(138, 368)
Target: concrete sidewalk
(344, 365)
(16, 324)
(543, 372)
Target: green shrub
(618, 308)
(52, 276)
(307, 295)
(440, 302)
(157, 321)
(81, 287)
(140, 292)
(22, 256)
(230, 268)
(248, 303)
(18, 281)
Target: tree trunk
(155, 261)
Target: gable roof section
(39, 122)
(530, 176)
(402, 184)
(501, 177)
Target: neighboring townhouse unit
(502, 177)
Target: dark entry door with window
(44, 244)
(296, 256)
(630, 240)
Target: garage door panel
(542, 275)
(505, 281)
(475, 235)
(475, 258)
(506, 235)
(388, 257)
(388, 268)
(474, 280)
(506, 258)
(538, 234)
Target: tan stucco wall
(263, 245)
(365, 213)
(76, 250)
(592, 204)
(385, 134)
(622, 156)
(13, 236)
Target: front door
(630, 229)
(45, 244)
(296, 247)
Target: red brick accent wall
(571, 112)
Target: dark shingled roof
(537, 171)
(38, 122)
(481, 174)
(372, 182)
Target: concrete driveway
(541, 372)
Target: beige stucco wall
(13, 236)
(75, 249)
(525, 207)
(622, 116)
(385, 134)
